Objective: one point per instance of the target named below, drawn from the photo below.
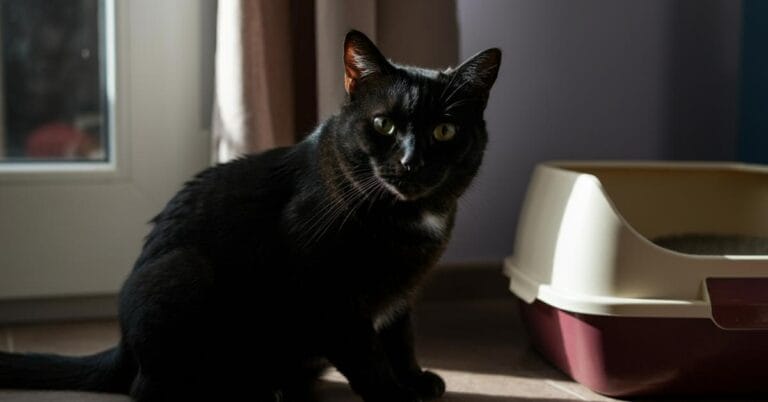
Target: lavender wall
(594, 79)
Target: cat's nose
(409, 164)
(410, 161)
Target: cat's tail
(109, 371)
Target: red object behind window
(58, 140)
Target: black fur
(262, 271)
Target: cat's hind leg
(167, 317)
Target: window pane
(52, 81)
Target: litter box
(647, 278)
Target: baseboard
(58, 309)
(473, 281)
(453, 282)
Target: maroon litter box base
(633, 356)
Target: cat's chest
(390, 312)
(381, 257)
(393, 256)
(423, 227)
(403, 240)
(431, 224)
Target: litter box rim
(544, 268)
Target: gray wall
(594, 79)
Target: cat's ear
(478, 73)
(362, 60)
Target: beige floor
(479, 347)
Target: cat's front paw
(427, 385)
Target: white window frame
(116, 164)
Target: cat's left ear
(479, 72)
(362, 60)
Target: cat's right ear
(362, 60)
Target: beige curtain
(253, 100)
(333, 19)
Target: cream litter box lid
(585, 239)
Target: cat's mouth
(403, 189)
(397, 191)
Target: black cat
(262, 271)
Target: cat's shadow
(340, 392)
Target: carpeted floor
(479, 347)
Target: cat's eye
(444, 131)
(384, 125)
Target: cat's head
(419, 132)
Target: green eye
(384, 125)
(444, 131)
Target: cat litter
(648, 278)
